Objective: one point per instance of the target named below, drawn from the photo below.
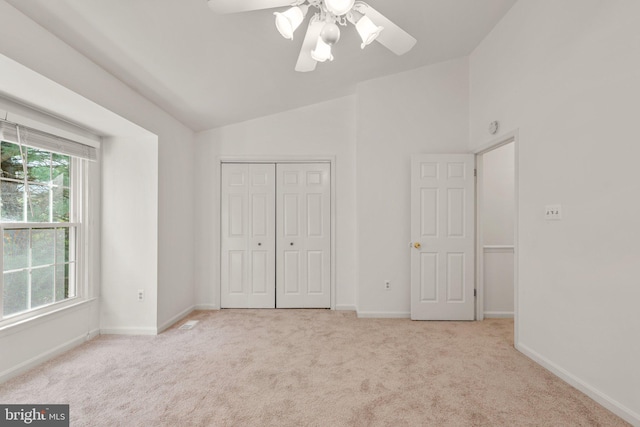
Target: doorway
(496, 229)
(275, 235)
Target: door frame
(511, 137)
(331, 160)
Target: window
(40, 221)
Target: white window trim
(79, 213)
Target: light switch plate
(553, 212)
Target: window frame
(78, 201)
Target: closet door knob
(291, 243)
(259, 244)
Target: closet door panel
(247, 236)
(303, 236)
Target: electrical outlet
(387, 285)
(140, 294)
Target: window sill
(20, 325)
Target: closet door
(303, 261)
(247, 236)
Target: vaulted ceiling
(210, 70)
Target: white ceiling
(211, 70)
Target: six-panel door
(303, 272)
(442, 229)
(247, 236)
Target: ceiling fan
(323, 30)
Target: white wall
(129, 239)
(78, 90)
(498, 197)
(420, 111)
(24, 346)
(498, 270)
(498, 213)
(565, 75)
(176, 218)
(207, 221)
(324, 129)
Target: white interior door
(442, 229)
(303, 236)
(247, 236)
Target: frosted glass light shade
(288, 21)
(330, 33)
(322, 52)
(339, 7)
(368, 31)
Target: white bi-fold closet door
(248, 236)
(275, 235)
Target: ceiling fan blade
(305, 61)
(392, 37)
(233, 6)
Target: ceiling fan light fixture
(330, 33)
(322, 52)
(339, 7)
(323, 29)
(368, 31)
(288, 21)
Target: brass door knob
(417, 245)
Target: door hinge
(475, 292)
(475, 173)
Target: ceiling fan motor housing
(339, 7)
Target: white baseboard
(206, 307)
(498, 314)
(47, 355)
(595, 394)
(345, 307)
(174, 319)
(384, 314)
(129, 331)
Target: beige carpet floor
(308, 368)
